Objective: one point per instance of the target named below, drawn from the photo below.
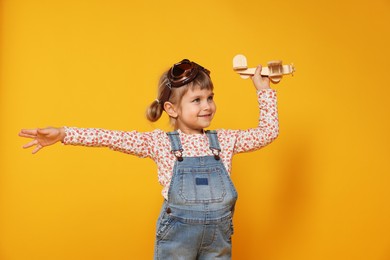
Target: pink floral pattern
(156, 144)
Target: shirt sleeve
(267, 130)
(136, 143)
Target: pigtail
(154, 111)
(156, 108)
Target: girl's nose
(206, 106)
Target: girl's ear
(170, 109)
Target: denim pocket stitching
(165, 225)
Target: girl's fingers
(29, 131)
(29, 144)
(27, 135)
(33, 133)
(260, 82)
(32, 143)
(258, 70)
(39, 147)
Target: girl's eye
(210, 98)
(197, 100)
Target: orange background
(320, 191)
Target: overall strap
(177, 149)
(214, 143)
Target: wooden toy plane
(275, 70)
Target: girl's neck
(191, 131)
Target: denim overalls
(196, 220)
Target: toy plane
(275, 70)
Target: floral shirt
(156, 144)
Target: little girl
(194, 164)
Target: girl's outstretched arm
(42, 137)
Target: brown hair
(155, 109)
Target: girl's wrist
(62, 134)
(262, 88)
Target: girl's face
(196, 110)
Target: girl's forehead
(198, 91)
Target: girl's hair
(156, 108)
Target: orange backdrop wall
(320, 191)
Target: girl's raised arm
(42, 137)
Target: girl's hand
(42, 137)
(259, 81)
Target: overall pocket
(165, 224)
(228, 229)
(201, 185)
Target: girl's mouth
(208, 115)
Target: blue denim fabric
(196, 220)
